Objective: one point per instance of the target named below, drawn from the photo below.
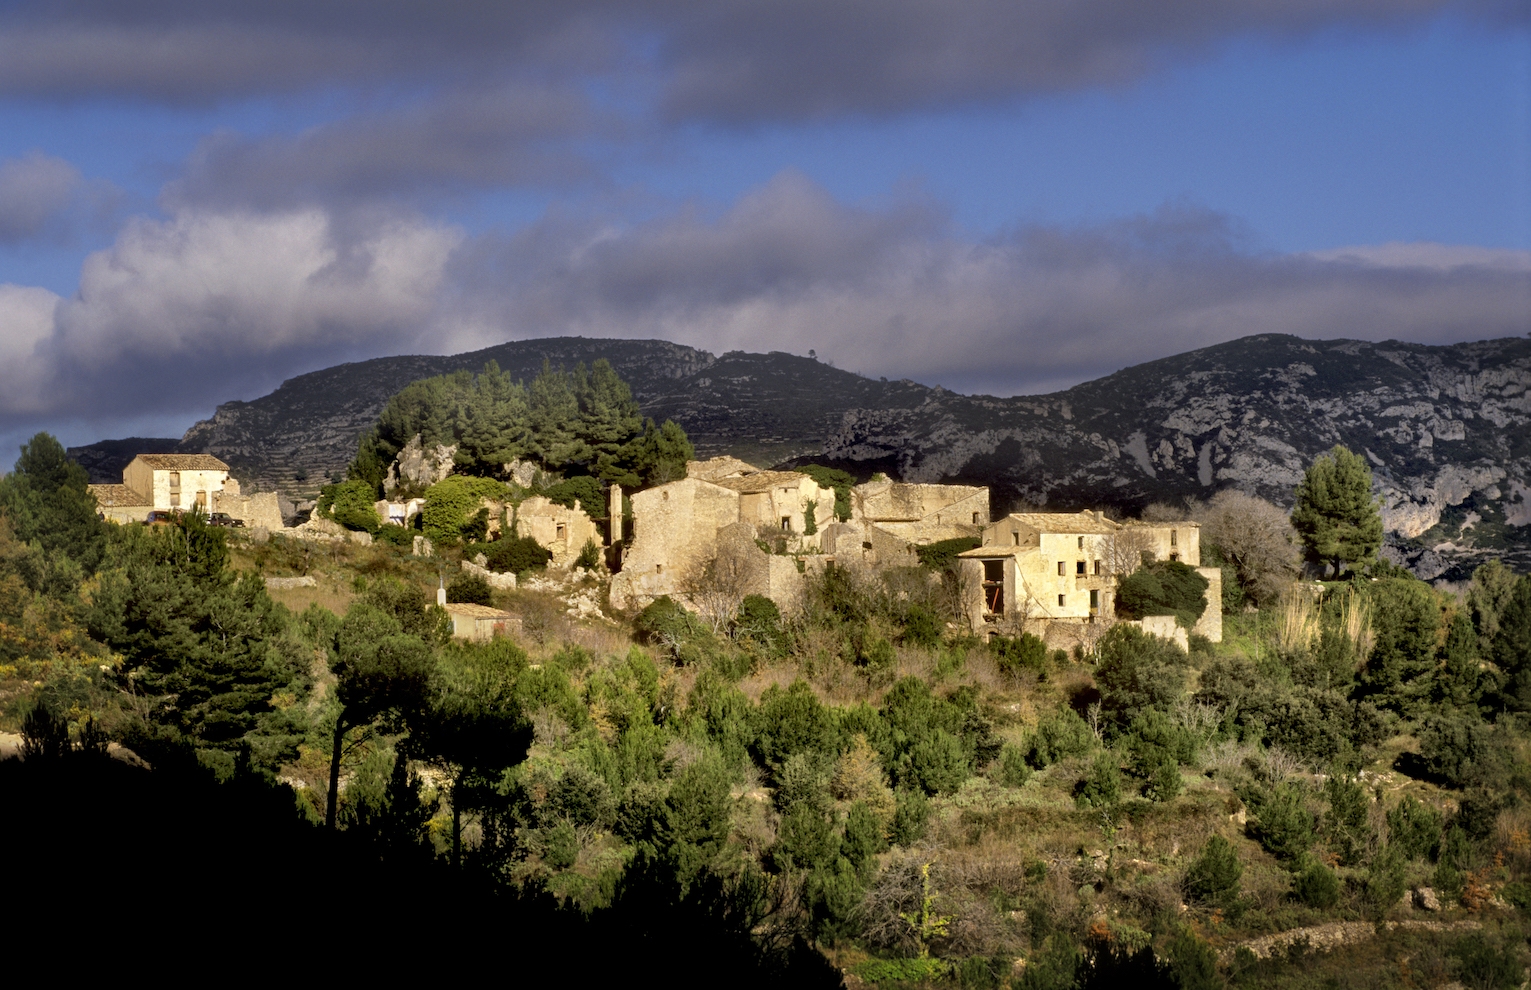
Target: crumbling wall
(717, 468)
(420, 467)
(559, 528)
(675, 529)
(259, 510)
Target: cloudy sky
(201, 198)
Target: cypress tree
(1336, 515)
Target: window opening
(1174, 537)
(1081, 543)
(975, 519)
(1094, 601)
(994, 586)
(786, 524)
(1079, 568)
(1097, 567)
(1062, 600)
(1062, 569)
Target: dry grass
(327, 594)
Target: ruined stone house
(1039, 568)
(779, 504)
(889, 519)
(181, 482)
(559, 528)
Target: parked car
(162, 516)
(224, 519)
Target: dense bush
(1164, 587)
(1414, 828)
(1138, 673)
(1020, 653)
(350, 503)
(942, 554)
(840, 481)
(515, 555)
(1214, 874)
(1102, 786)
(1059, 735)
(450, 503)
(470, 589)
(583, 491)
(1316, 885)
(1285, 826)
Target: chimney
(441, 591)
(1100, 516)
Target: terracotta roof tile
(183, 462)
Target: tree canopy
(1336, 514)
(583, 421)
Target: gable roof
(182, 462)
(1062, 522)
(469, 611)
(763, 481)
(113, 495)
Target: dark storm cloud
(211, 304)
(898, 292)
(735, 62)
(515, 135)
(35, 192)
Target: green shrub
(1285, 825)
(1456, 859)
(792, 721)
(915, 970)
(1481, 966)
(1462, 750)
(1138, 672)
(1214, 876)
(840, 481)
(583, 491)
(1165, 587)
(664, 622)
(1023, 652)
(449, 502)
(1345, 821)
(1059, 735)
(1316, 885)
(350, 503)
(1192, 962)
(1102, 786)
(1055, 966)
(911, 815)
(516, 555)
(589, 556)
(1155, 739)
(1386, 879)
(470, 589)
(922, 628)
(805, 838)
(938, 763)
(1014, 771)
(395, 535)
(1164, 782)
(863, 837)
(942, 554)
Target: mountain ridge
(1444, 426)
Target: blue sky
(197, 201)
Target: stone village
(732, 527)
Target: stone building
(889, 519)
(181, 482)
(1050, 567)
(561, 529)
(777, 504)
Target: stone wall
(260, 509)
(675, 535)
(560, 529)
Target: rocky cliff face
(1446, 428)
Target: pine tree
(553, 415)
(1336, 514)
(660, 455)
(47, 500)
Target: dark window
(1094, 601)
(1174, 537)
(1062, 600)
(975, 519)
(1081, 543)
(994, 586)
(1062, 568)
(1016, 537)
(786, 524)
(1079, 568)
(1097, 567)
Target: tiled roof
(1062, 522)
(114, 495)
(475, 611)
(762, 481)
(183, 462)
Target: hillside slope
(1446, 428)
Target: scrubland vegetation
(859, 790)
